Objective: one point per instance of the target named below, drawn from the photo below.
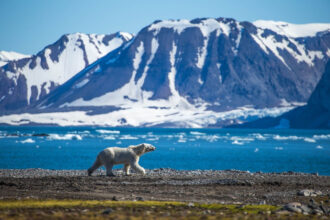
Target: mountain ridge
(52, 66)
(314, 115)
(197, 73)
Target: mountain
(198, 73)
(314, 115)
(24, 81)
(6, 56)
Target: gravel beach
(202, 186)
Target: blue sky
(28, 26)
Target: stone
(107, 211)
(293, 207)
(318, 193)
(304, 192)
(317, 212)
(283, 212)
(324, 209)
(190, 204)
(305, 209)
(309, 192)
(139, 198)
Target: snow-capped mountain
(314, 115)
(6, 56)
(26, 80)
(198, 73)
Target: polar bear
(115, 155)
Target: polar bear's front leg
(138, 168)
(108, 168)
(126, 169)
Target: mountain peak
(36, 76)
(207, 25)
(6, 56)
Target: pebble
(139, 198)
(312, 208)
(283, 212)
(190, 204)
(305, 209)
(309, 192)
(107, 211)
(293, 207)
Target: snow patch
(140, 114)
(7, 56)
(293, 30)
(206, 26)
(81, 83)
(269, 42)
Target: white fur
(115, 155)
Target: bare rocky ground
(305, 193)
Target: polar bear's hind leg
(96, 165)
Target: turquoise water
(217, 149)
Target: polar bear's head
(143, 148)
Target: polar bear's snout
(149, 147)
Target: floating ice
(319, 147)
(110, 137)
(108, 131)
(278, 148)
(237, 142)
(278, 137)
(29, 141)
(182, 140)
(259, 136)
(65, 137)
(310, 140)
(241, 139)
(128, 137)
(196, 133)
(322, 136)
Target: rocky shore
(306, 194)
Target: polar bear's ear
(139, 149)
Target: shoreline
(229, 190)
(215, 186)
(41, 172)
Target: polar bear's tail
(96, 165)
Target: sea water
(217, 149)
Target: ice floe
(108, 131)
(29, 140)
(64, 137)
(319, 147)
